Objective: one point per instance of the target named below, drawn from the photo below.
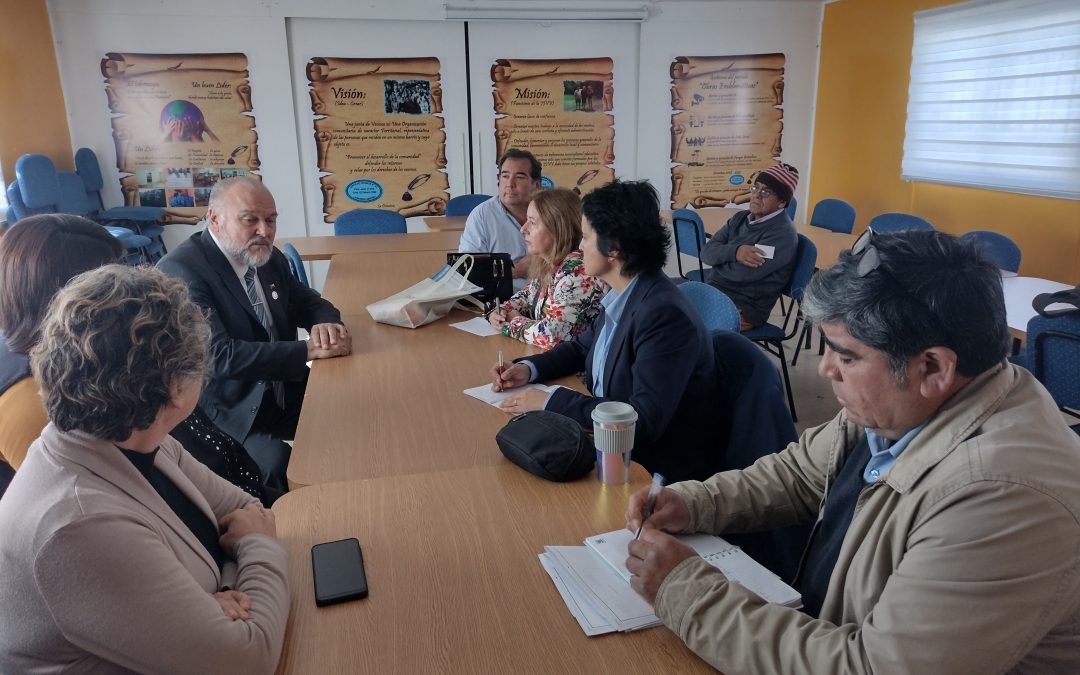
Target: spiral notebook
(736, 565)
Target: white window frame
(994, 99)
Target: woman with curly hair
(118, 550)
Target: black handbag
(493, 272)
(548, 445)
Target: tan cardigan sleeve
(134, 604)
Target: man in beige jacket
(946, 493)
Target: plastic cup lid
(614, 412)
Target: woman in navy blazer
(647, 347)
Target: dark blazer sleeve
(569, 357)
(653, 362)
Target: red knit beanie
(781, 178)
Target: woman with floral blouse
(560, 300)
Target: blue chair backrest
(462, 205)
(86, 165)
(791, 207)
(73, 197)
(17, 209)
(1053, 355)
(370, 221)
(805, 263)
(834, 214)
(997, 248)
(296, 264)
(38, 184)
(717, 310)
(689, 231)
(898, 222)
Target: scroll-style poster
(379, 135)
(560, 110)
(726, 123)
(181, 123)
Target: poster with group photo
(181, 123)
(560, 110)
(379, 135)
(726, 123)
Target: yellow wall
(859, 137)
(32, 113)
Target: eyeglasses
(761, 190)
(864, 246)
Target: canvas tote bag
(426, 301)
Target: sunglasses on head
(864, 246)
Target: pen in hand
(501, 364)
(650, 501)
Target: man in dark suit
(259, 369)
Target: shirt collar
(879, 445)
(614, 302)
(238, 267)
(763, 219)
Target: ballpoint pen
(501, 364)
(650, 501)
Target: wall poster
(181, 123)
(379, 135)
(726, 123)
(560, 110)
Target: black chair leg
(804, 337)
(787, 381)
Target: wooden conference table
(395, 405)
(323, 248)
(455, 583)
(443, 223)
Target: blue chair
(38, 186)
(997, 248)
(791, 208)
(140, 249)
(898, 222)
(1053, 357)
(370, 221)
(145, 220)
(296, 264)
(462, 205)
(770, 337)
(689, 238)
(834, 214)
(717, 310)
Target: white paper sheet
(477, 326)
(485, 393)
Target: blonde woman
(561, 299)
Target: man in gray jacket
(946, 493)
(753, 255)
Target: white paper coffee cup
(613, 434)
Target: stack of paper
(595, 584)
(485, 393)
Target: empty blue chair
(38, 186)
(143, 219)
(370, 221)
(834, 214)
(770, 336)
(689, 238)
(791, 207)
(898, 222)
(73, 200)
(717, 310)
(1053, 357)
(296, 264)
(998, 248)
(462, 205)
(16, 208)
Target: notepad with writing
(736, 565)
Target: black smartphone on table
(338, 570)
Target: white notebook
(736, 565)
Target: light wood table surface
(438, 223)
(395, 405)
(455, 583)
(324, 248)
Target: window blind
(994, 99)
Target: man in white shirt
(495, 225)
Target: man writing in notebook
(946, 493)
(495, 225)
(259, 368)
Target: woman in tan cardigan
(119, 551)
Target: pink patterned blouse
(564, 309)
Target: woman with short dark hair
(118, 550)
(38, 255)
(647, 348)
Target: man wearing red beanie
(753, 255)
